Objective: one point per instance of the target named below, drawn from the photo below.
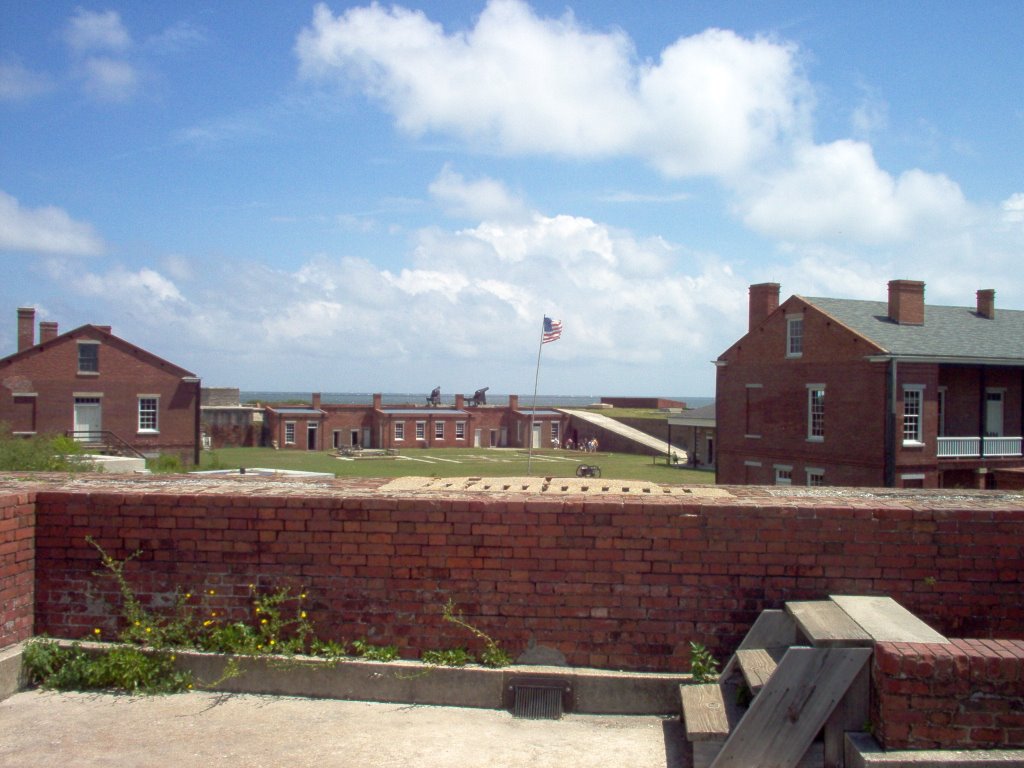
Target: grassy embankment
(455, 462)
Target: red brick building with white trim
(99, 388)
(838, 392)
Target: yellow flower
(188, 595)
(263, 621)
(190, 686)
(207, 623)
(138, 623)
(213, 613)
(302, 615)
(303, 595)
(272, 642)
(149, 629)
(212, 592)
(97, 631)
(258, 609)
(173, 657)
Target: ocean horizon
(405, 398)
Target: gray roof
(695, 417)
(948, 333)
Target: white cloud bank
(100, 43)
(47, 230)
(518, 83)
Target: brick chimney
(513, 402)
(47, 331)
(316, 401)
(105, 328)
(378, 401)
(764, 299)
(26, 328)
(460, 402)
(987, 303)
(906, 302)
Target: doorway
(311, 432)
(88, 417)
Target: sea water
(414, 398)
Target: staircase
(799, 680)
(104, 442)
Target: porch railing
(969, 447)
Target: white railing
(1002, 446)
(963, 447)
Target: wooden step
(885, 620)
(758, 665)
(709, 713)
(773, 628)
(792, 708)
(825, 624)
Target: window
(783, 475)
(460, 430)
(555, 435)
(439, 430)
(816, 412)
(794, 335)
(912, 396)
(399, 430)
(815, 477)
(148, 410)
(942, 412)
(289, 433)
(88, 357)
(421, 430)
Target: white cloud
(480, 199)
(519, 83)
(44, 230)
(17, 82)
(96, 31)
(837, 191)
(109, 79)
(1013, 209)
(140, 288)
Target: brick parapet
(615, 582)
(17, 566)
(965, 694)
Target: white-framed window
(421, 430)
(439, 430)
(783, 474)
(289, 433)
(460, 430)
(556, 436)
(149, 410)
(399, 430)
(913, 399)
(794, 335)
(816, 412)
(815, 477)
(88, 357)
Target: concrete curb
(594, 691)
(12, 678)
(862, 751)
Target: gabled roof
(96, 332)
(695, 417)
(948, 333)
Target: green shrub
(40, 453)
(122, 668)
(451, 657)
(165, 464)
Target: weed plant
(703, 665)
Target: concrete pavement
(39, 728)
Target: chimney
(906, 302)
(513, 402)
(47, 331)
(460, 402)
(987, 303)
(105, 328)
(316, 401)
(26, 328)
(764, 299)
(378, 401)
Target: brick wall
(968, 694)
(623, 582)
(17, 567)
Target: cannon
(434, 399)
(478, 398)
(588, 470)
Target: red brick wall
(964, 695)
(619, 583)
(17, 567)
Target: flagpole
(533, 410)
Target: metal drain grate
(539, 698)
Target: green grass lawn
(451, 462)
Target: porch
(978, 447)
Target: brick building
(101, 389)
(824, 391)
(319, 426)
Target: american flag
(552, 330)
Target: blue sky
(347, 197)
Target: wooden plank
(885, 620)
(791, 709)
(709, 711)
(758, 665)
(774, 628)
(825, 624)
(849, 715)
